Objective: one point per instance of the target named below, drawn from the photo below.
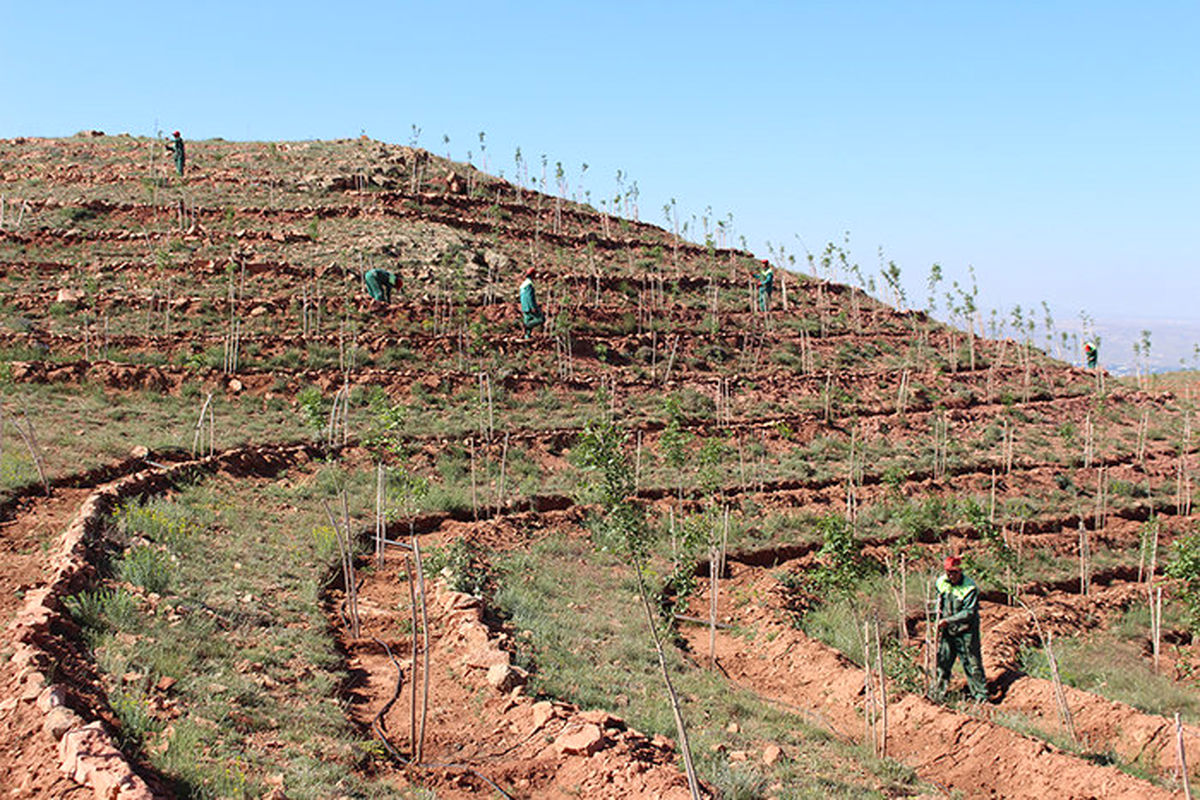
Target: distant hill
(1173, 344)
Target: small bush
(147, 567)
(102, 610)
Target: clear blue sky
(1052, 145)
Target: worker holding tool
(1091, 353)
(958, 631)
(175, 147)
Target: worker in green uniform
(1091, 353)
(532, 315)
(958, 631)
(176, 147)
(766, 285)
(379, 284)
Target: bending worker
(958, 631)
(379, 284)
(532, 315)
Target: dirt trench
(959, 750)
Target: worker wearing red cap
(176, 147)
(766, 285)
(958, 631)
(532, 315)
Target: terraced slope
(809, 465)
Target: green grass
(1113, 664)
(237, 568)
(586, 641)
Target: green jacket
(766, 280)
(959, 605)
(529, 303)
(379, 283)
(176, 147)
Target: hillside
(272, 538)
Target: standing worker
(958, 631)
(532, 315)
(379, 284)
(176, 147)
(1091, 353)
(766, 285)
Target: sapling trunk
(503, 465)
(29, 436)
(1181, 753)
(883, 700)
(416, 548)
(1156, 622)
(474, 494)
(681, 729)
(346, 557)
(380, 525)
(412, 703)
(870, 704)
(1060, 696)
(198, 435)
(1085, 581)
(713, 578)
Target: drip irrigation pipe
(380, 729)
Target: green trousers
(531, 320)
(963, 646)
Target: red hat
(529, 273)
(952, 563)
(176, 133)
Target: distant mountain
(1173, 344)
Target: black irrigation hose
(381, 731)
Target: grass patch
(1114, 665)
(236, 623)
(586, 642)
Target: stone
(89, 757)
(51, 697)
(69, 296)
(663, 743)
(601, 718)
(504, 677)
(581, 741)
(771, 754)
(543, 712)
(60, 720)
(141, 451)
(486, 658)
(33, 686)
(732, 728)
(236, 385)
(738, 755)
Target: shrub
(147, 567)
(102, 610)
